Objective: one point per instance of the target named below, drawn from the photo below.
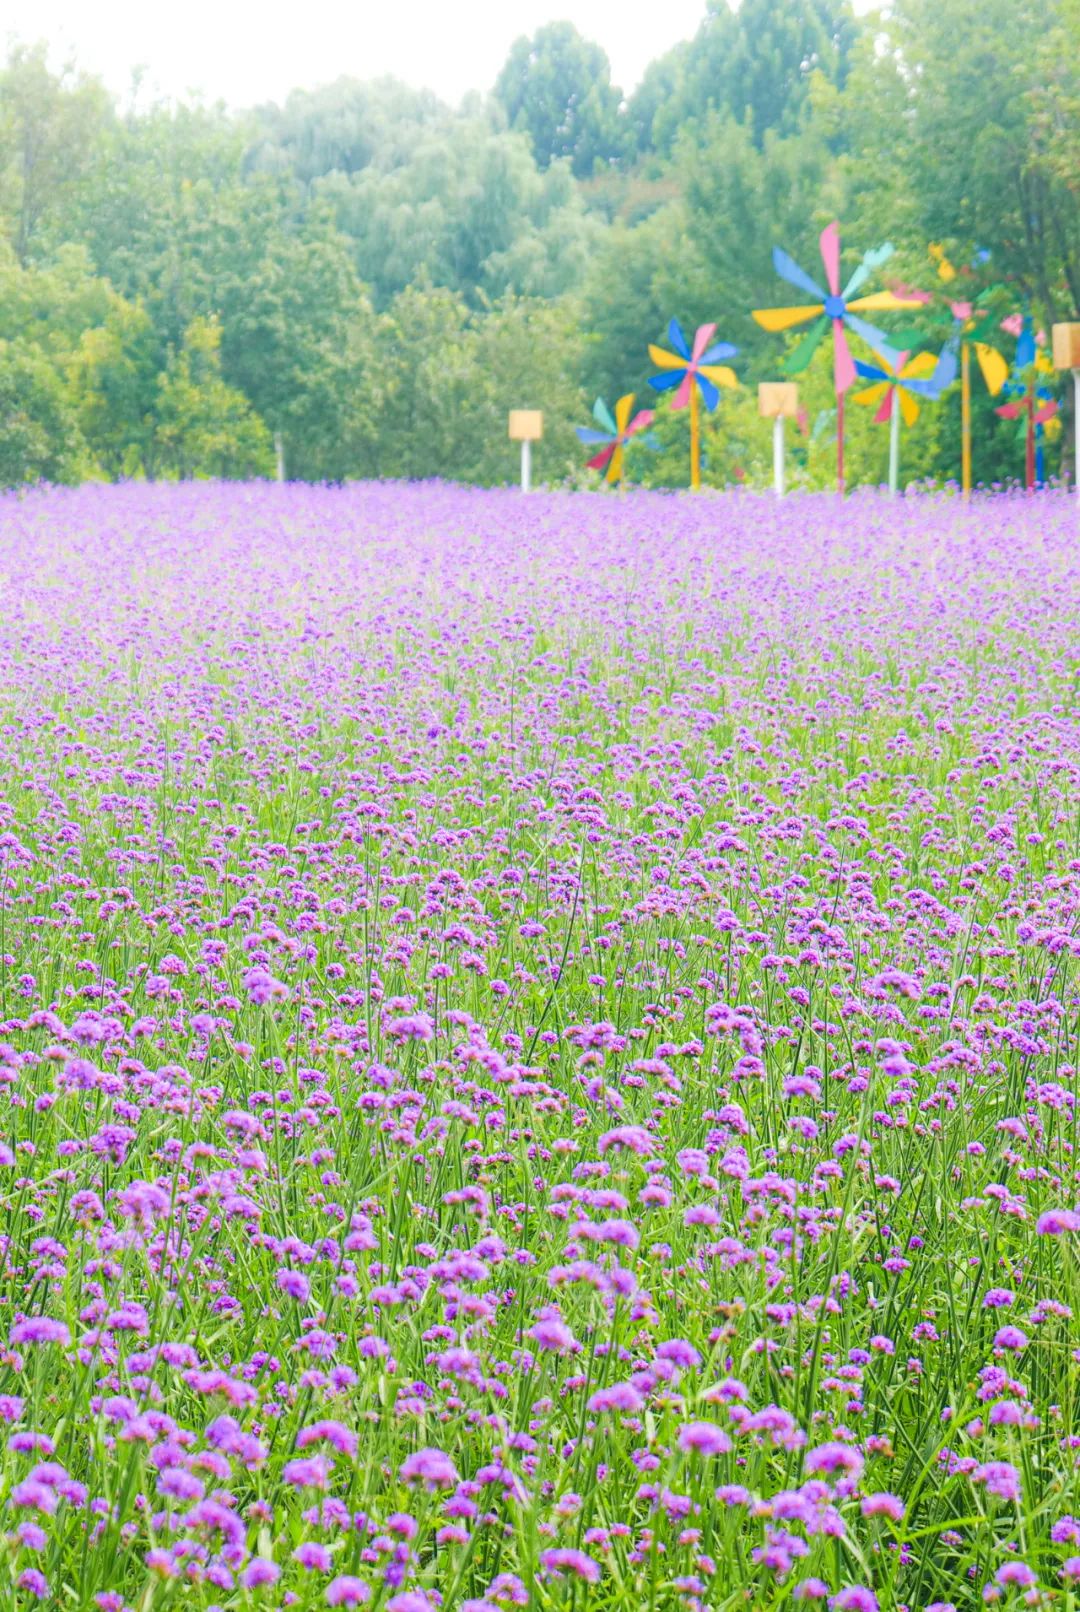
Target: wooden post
(1066, 349)
(526, 426)
(778, 401)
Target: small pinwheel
(615, 433)
(1030, 401)
(898, 388)
(835, 309)
(696, 372)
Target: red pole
(1030, 466)
(840, 443)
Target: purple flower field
(540, 1045)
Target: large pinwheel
(1030, 400)
(833, 310)
(898, 388)
(614, 433)
(696, 372)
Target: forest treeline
(373, 278)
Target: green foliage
(451, 377)
(205, 427)
(556, 88)
(39, 433)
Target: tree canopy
(374, 278)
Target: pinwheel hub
(834, 307)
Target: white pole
(778, 454)
(894, 444)
(279, 454)
(1076, 426)
(526, 466)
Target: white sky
(246, 51)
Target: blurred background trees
(374, 278)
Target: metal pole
(279, 454)
(1076, 427)
(778, 454)
(840, 443)
(526, 466)
(894, 444)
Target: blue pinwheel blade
(710, 395)
(1025, 346)
(721, 349)
(947, 366)
(870, 372)
(585, 434)
(678, 340)
(874, 338)
(927, 388)
(787, 268)
(871, 260)
(667, 381)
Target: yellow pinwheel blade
(665, 360)
(614, 469)
(995, 371)
(917, 368)
(909, 409)
(784, 318)
(871, 394)
(719, 374)
(622, 413)
(882, 300)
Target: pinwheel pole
(695, 441)
(965, 418)
(1066, 350)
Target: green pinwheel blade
(603, 417)
(796, 361)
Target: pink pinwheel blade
(830, 256)
(602, 457)
(884, 413)
(682, 396)
(843, 363)
(641, 421)
(704, 336)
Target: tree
(50, 138)
(39, 434)
(556, 87)
(204, 426)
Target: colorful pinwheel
(694, 371)
(898, 388)
(1030, 401)
(615, 433)
(834, 309)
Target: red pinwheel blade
(830, 256)
(602, 457)
(702, 338)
